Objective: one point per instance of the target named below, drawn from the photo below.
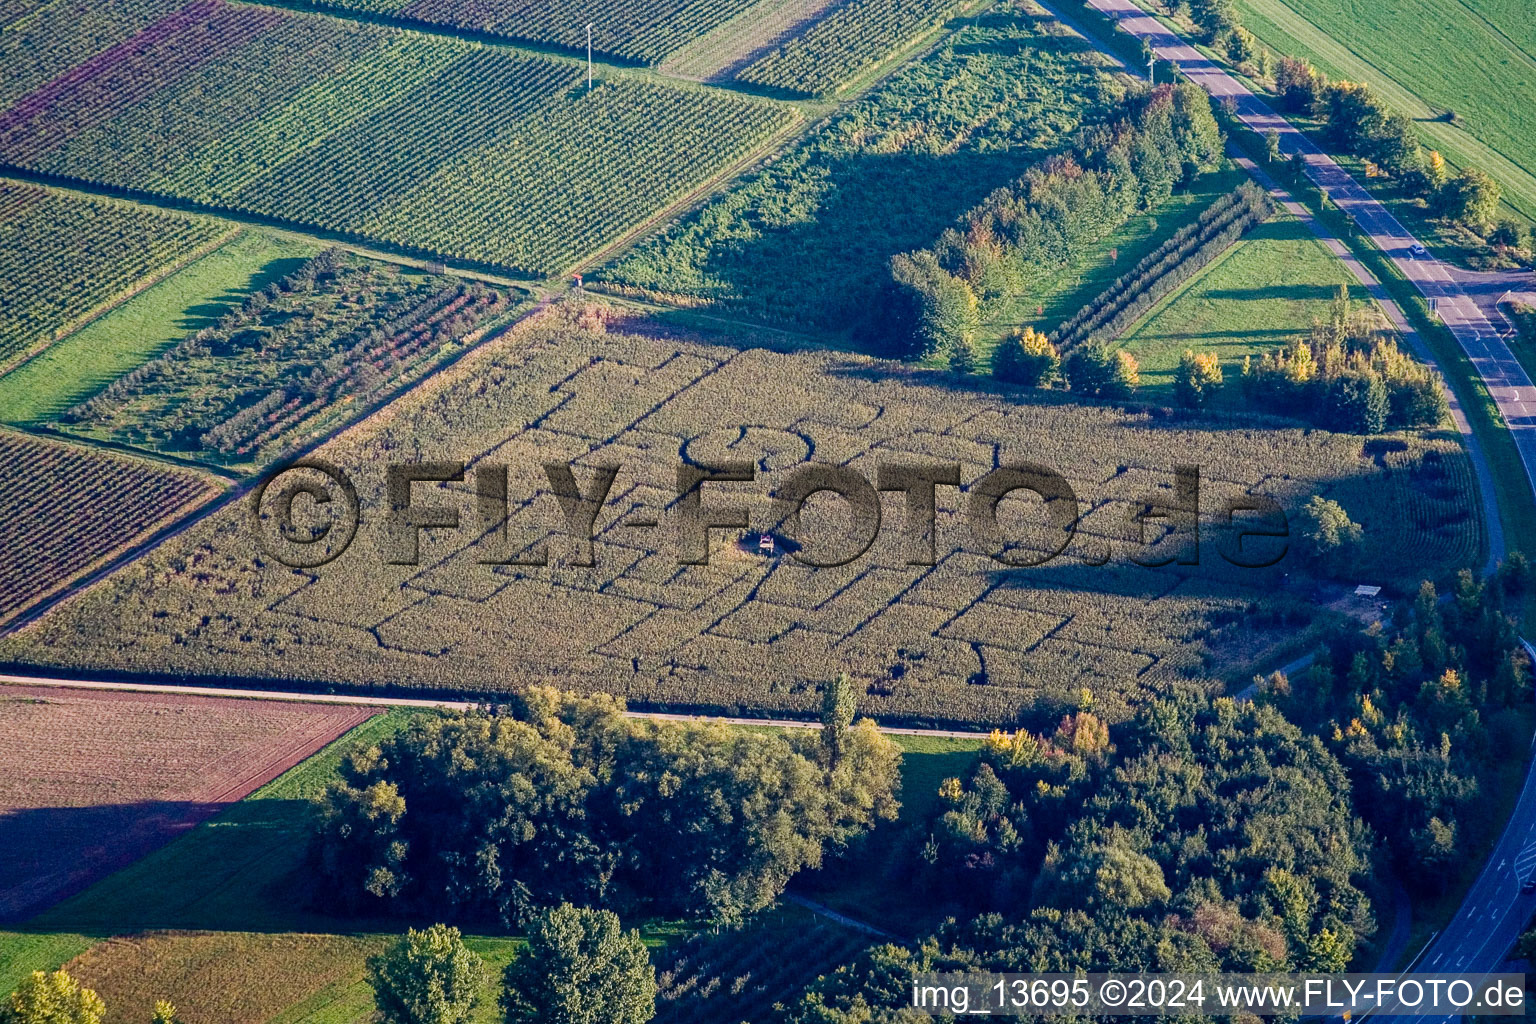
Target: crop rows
(963, 640)
(63, 257)
(568, 182)
(63, 37)
(638, 30)
(337, 330)
(62, 508)
(1110, 313)
(361, 129)
(839, 46)
(738, 975)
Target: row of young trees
(497, 814)
(1054, 214)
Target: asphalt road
(1494, 911)
(1447, 288)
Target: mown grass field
(1426, 57)
(963, 640)
(1049, 303)
(1263, 292)
(144, 326)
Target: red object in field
(577, 279)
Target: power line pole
(589, 57)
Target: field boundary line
(446, 703)
(160, 274)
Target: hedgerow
(1110, 313)
(1054, 214)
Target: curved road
(1494, 911)
(1444, 286)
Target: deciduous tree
(580, 967)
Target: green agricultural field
(64, 258)
(964, 640)
(305, 353)
(1266, 290)
(193, 298)
(1426, 57)
(853, 36)
(437, 146)
(807, 240)
(1050, 303)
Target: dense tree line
(1348, 375)
(1357, 121)
(492, 815)
(1413, 709)
(1202, 835)
(1052, 215)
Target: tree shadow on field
(240, 867)
(49, 853)
(206, 314)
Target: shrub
(1026, 357)
(1198, 378)
(428, 977)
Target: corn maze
(63, 258)
(356, 128)
(64, 508)
(966, 639)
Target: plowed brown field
(90, 781)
